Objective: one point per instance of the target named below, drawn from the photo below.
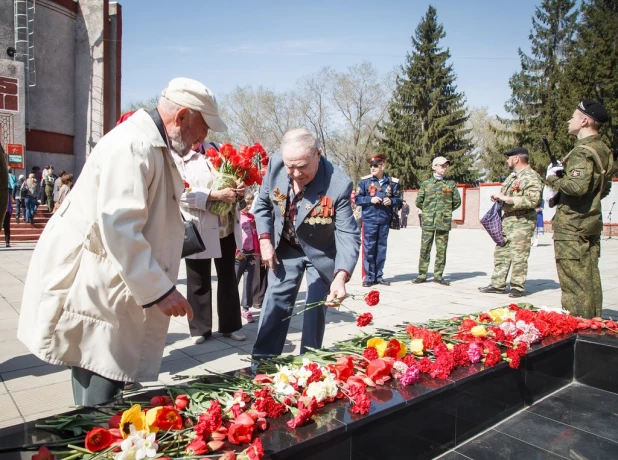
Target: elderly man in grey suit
(306, 226)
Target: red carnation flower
(371, 353)
(513, 358)
(372, 298)
(255, 451)
(364, 320)
(360, 402)
(305, 413)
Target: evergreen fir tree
(536, 88)
(592, 71)
(427, 115)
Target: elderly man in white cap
(114, 249)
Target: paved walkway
(30, 389)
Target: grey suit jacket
(329, 246)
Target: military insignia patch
(576, 172)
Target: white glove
(554, 171)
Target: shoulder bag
(193, 243)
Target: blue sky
(230, 43)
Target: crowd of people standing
(117, 248)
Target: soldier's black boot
(516, 293)
(492, 290)
(419, 280)
(442, 282)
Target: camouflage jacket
(578, 212)
(526, 189)
(437, 198)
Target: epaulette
(395, 180)
(368, 176)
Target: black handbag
(192, 243)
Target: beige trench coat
(113, 246)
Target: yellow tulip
(402, 350)
(151, 418)
(417, 347)
(133, 416)
(379, 344)
(478, 331)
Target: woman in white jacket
(221, 236)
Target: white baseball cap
(439, 161)
(194, 95)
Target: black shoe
(492, 290)
(516, 293)
(367, 284)
(418, 280)
(442, 282)
(383, 283)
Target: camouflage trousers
(577, 261)
(427, 238)
(518, 232)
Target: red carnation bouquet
(247, 164)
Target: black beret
(594, 110)
(516, 151)
(376, 158)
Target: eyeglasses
(375, 165)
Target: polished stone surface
(564, 440)
(548, 369)
(596, 361)
(494, 445)
(578, 422)
(578, 416)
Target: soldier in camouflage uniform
(521, 194)
(578, 224)
(437, 199)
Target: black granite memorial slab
(434, 416)
(548, 369)
(596, 361)
(558, 438)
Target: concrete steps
(26, 232)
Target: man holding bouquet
(306, 226)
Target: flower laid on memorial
(247, 164)
(223, 415)
(372, 298)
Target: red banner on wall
(15, 156)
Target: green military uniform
(578, 224)
(518, 223)
(437, 199)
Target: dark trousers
(260, 283)
(90, 389)
(6, 225)
(283, 286)
(199, 291)
(246, 267)
(404, 221)
(31, 206)
(375, 237)
(19, 203)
